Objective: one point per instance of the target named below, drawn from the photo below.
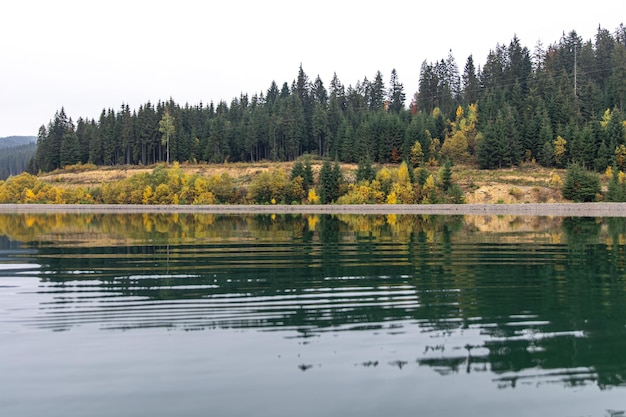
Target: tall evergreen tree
(471, 84)
(396, 93)
(377, 93)
(69, 153)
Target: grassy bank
(525, 184)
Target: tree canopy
(557, 105)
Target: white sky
(85, 55)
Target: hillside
(12, 141)
(14, 159)
(525, 184)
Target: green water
(311, 315)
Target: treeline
(553, 106)
(13, 141)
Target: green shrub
(580, 185)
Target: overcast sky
(86, 56)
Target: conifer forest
(553, 105)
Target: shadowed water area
(311, 314)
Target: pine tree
(70, 150)
(580, 185)
(470, 82)
(377, 93)
(365, 171)
(396, 93)
(329, 182)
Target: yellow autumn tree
(162, 194)
(29, 196)
(559, 151)
(417, 154)
(460, 145)
(429, 191)
(455, 147)
(313, 198)
(385, 179)
(402, 188)
(364, 192)
(148, 195)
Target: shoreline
(529, 209)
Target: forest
(553, 106)
(16, 153)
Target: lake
(155, 314)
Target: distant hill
(11, 141)
(17, 151)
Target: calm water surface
(311, 315)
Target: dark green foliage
(297, 169)
(70, 150)
(523, 105)
(500, 147)
(308, 174)
(603, 157)
(365, 171)
(303, 170)
(329, 182)
(50, 140)
(580, 185)
(422, 176)
(396, 93)
(546, 157)
(454, 195)
(446, 176)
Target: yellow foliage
(363, 193)
(555, 180)
(162, 194)
(472, 113)
(313, 198)
(459, 113)
(53, 195)
(456, 148)
(403, 174)
(404, 193)
(429, 191)
(429, 185)
(294, 190)
(385, 179)
(29, 196)
(205, 197)
(417, 154)
(148, 195)
(391, 198)
(559, 150)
